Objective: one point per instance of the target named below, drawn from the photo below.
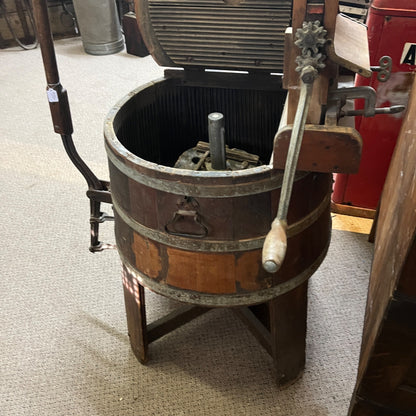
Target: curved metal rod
(92, 180)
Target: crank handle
(383, 110)
(274, 247)
(275, 243)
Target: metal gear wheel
(308, 59)
(310, 37)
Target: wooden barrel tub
(197, 236)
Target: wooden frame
(283, 339)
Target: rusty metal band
(220, 300)
(180, 186)
(217, 246)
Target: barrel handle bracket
(180, 214)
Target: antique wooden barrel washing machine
(244, 223)
(197, 235)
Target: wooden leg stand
(136, 316)
(279, 325)
(140, 333)
(288, 332)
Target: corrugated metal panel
(287, 4)
(214, 34)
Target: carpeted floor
(64, 346)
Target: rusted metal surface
(199, 158)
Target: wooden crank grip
(57, 96)
(274, 247)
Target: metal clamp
(339, 97)
(97, 217)
(368, 94)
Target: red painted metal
(392, 32)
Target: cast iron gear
(308, 59)
(310, 37)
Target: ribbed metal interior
(164, 120)
(229, 34)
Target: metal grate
(217, 34)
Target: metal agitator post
(98, 190)
(217, 141)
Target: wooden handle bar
(57, 95)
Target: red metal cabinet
(391, 31)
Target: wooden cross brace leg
(279, 325)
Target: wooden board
(352, 211)
(386, 381)
(324, 149)
(350, 46)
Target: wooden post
(288, 315)
(134, 300)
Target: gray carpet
(64, 345)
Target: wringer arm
(98, 190)
(321, 34)
(310, 61)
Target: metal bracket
(170, 227)
(98, 192)
(97, 217)
(187, 208)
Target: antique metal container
(99, 25)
